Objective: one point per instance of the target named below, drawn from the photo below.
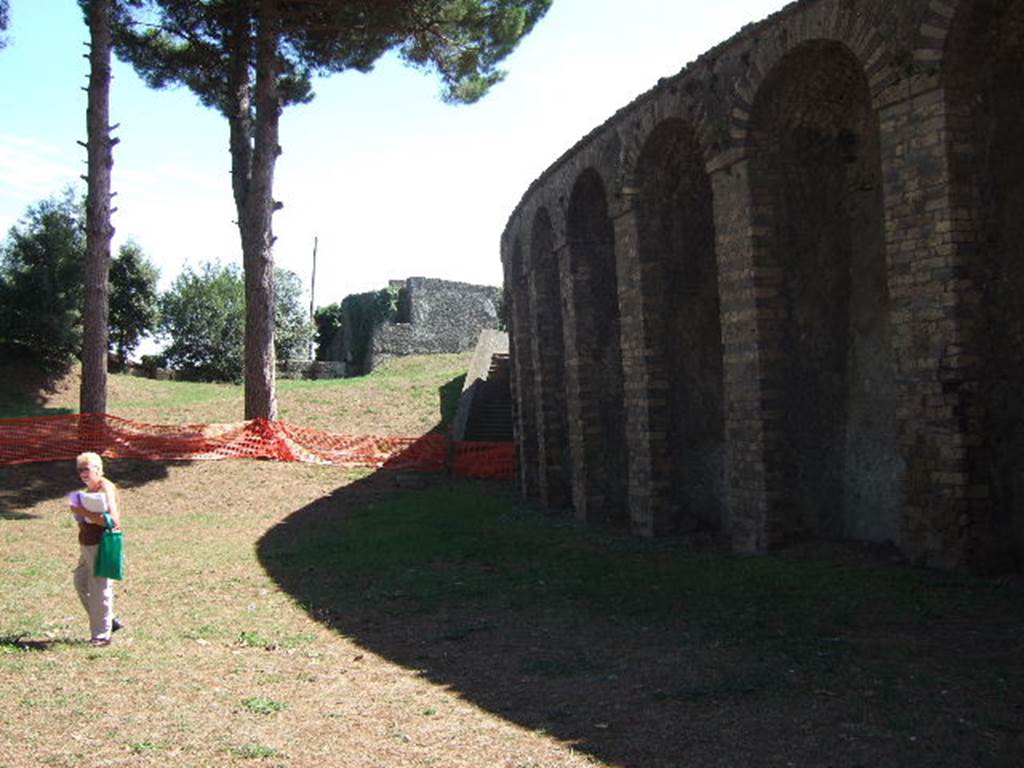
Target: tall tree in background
(134, 303)
(251, 58)
(202, 317)
(41, 272)
(99, 232)
(293, 330)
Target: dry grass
(293, 615)
(218, 665)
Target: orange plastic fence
(55, 438)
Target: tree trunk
(257, 223)
(254, 151)
(93, 393)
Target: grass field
(408, 397)
(295, 615)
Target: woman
(95, 592)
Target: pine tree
(99, 232)
(250, 59)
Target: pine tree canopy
(190, 42)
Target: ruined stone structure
(432, 317)
(780, 294)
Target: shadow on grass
(19, 644)
(652, 654)
(25, 387)
(21, 410)
(23, 486)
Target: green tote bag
(110, 555)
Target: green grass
(18, 408)
(262, 705)
(254, 752)
(479, 581)
(298, 606)
(143, 747)
(442, 545)
(171, 395)
(407, 396)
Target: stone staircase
(490, 419)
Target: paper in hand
(94, 502)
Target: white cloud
(30, 171)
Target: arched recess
(553, 436)
(984, 79)
(523, 378)
(682, 328)
(600, 409)
(832, 462)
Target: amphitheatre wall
(780, 294)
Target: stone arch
(851, 28)
(832, 462)
(549, 352)
(983, 75)
(682, 328)
(933, 32)
(523, 374)
(599, 440)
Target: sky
(388, 180)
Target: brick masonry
(780, 294)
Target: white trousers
(95, 592)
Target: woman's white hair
(89, 459)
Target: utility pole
(312, 296)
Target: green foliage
(293, 332)
(328, 331)
(470, 39)
(42, 265)
(42, 278)
(181, 42)
(203, 314)
(134, 302)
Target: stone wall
(434, 317)
(778, 294)
(310, 369)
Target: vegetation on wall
(328, 331)
(349, 326)
(362, 313)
